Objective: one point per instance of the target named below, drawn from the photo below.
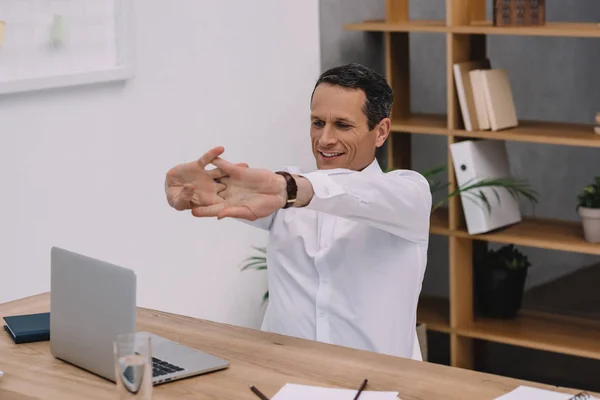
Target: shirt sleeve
(398, 202)
(264, 223)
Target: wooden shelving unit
(465, 30)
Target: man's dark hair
(379, 97)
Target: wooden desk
(263, 359)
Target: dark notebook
(28, 328)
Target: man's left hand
(250, 193)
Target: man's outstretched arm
(398, 202)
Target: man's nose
(328, 138)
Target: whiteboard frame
(125, 70)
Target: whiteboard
(58, 43)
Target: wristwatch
(292, 188)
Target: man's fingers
(180, 199)
(237, 212)
(209, 156)
(208, 211)
(227, 167)
(216, 173)
(221, 188)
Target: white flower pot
(590, 218)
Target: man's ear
(382, 131)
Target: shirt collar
(373, 168)
(370, 169)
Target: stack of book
(485, 96)
(597, 127)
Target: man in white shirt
(347, 243)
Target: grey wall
(552, 79)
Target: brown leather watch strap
(292, 188)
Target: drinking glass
(133, 366)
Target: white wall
(84, 168)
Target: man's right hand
(190, 185)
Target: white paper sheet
(530, 393)
(302, 392)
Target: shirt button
(321, 314)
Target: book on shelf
(499, 99)
(464, 89)
(485, 96)
(479, 97)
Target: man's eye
(342, 125)
(318, 124)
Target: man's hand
(190, 185)
(249, 193)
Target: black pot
(499, 290)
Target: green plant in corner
(589, 197)
(257, 263)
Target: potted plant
(588, 207)
(500, 281)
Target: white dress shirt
(347, 269)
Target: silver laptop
(91, 302)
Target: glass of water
(133, 366)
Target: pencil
(258, 393)
(362, 387)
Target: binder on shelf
(476, 160)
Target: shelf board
(439, 222)
(540, 331)
(434, 124)
(564, 29)
(435, 313)
(408, 26)
(558, 133)
(542, 233)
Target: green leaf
(256, 266)
(590, 195)
(428, 174)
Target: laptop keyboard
(160, 367)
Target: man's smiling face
(339, 131)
